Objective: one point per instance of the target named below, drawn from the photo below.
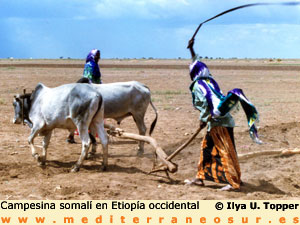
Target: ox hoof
(103, 168)
(41, 163)
(75, 169)
(40, 160)
(36, 157)
(90, 155)
(71, 141)
(140, 152)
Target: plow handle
(176, 152)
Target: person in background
(218, 157)
(91, 68)
(91, 74)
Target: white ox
(123, 99)
(70, 106)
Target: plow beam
(168, 165)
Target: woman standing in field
(218, 157)
(91, 69)
(91, 74)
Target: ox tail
(100, 107)
(155, 120)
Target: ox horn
(17, 96)
(24, 92)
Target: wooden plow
(168, 166)
(279, 152)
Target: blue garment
(205, 90)
(91, 68)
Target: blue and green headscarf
(219, 104)
(91, 68)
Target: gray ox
(123, 99)
(70, 106)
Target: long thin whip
(240, 7)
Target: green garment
(200, 103)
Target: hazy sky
(146, 28)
